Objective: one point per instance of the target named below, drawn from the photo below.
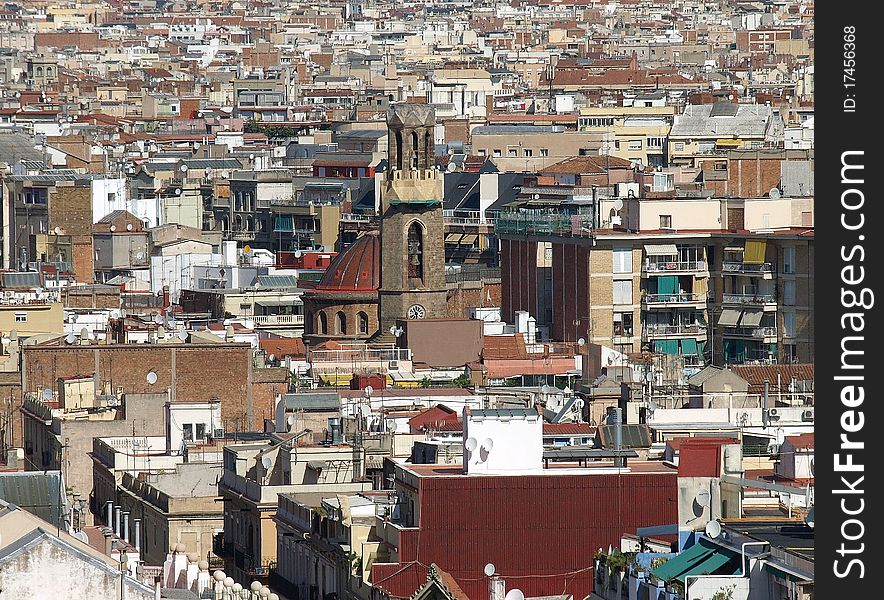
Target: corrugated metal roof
(319, 401)
(541, 529)
(37, 493)
(503, 412)
(277, 281)
(27, 280)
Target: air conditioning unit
(218, 433)
(393, 365)
(773, 413)
(807, 415)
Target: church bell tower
(412, 282)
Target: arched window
(48, 71)
(362, 323)
(322, 324)
(414, 150)
(398, 150)
(415, 260)
(250, 224)
(39, 71)
(237, 223)
(429, 151)
(341, 323)
(237, 201)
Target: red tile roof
(568, 429)
(803, 441)
(282, 347)
(356, 269)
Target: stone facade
(412, 227)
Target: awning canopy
(751, 318)
(666, 346)
(703, 558)
(689, 347)
(729, 317)
(274, 302)
(469, 239)
(661, 250)
(453, 238)
(755, 252)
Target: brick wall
(472, 294)
(190, 372)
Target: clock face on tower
(416, 311)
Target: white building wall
(504, 445)
(108, 195)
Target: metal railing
(748, 298)
(674, 265)
(488, 275)
(753, 332)
(738, 267)
(550, 224)
(278, 319)
(672, 298)
(655, 329)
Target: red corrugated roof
(701, 457)
(540, 531)
(804, 441)
(568, 429)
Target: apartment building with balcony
(634, 133)
(256, 473)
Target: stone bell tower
(412, 229)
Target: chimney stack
(126, 526)
(118, 513)
(138, 535)
(615, 419)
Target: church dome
(356, 269)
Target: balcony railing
(660, 329)
(748, 298)
(673, 298)
(675, 265)
(738, 267)
(553, 225)
(278, 320)
(752, 332)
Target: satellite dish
(115, 313)
(290, 420)
(158, 319)
(70, 338)
(774, 193)
(713, 529)
(451, 167)
(81, 535)
(266, 462)
(368, 391)
(471, 444)
(129, 227)
(702, 498)
(514, 594)
(611, 359)
(177, 191)
(811, 466)
(487, 444)
(112, 228)
(182, 335)
(618, 204)
(581, 342)
(47, 394)
(183, 168)
(57, 231)
(225, 174)
(298, 254)
(579, 403)
(809, 518)
(490, 569)
(226, 322)
(151, 377)
(272, 358)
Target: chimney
(166, 300)
(110, 513)
(126, 526)
(137, 535)
(615, 419)
(118, 513)
(765, 404)
(334, 427)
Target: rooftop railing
(559, 225)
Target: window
(623, 324)
(188, 432)
(656, 142)
(511, 152)
(341, 323)
(362, 323)
(496, 152)
(623, 291)
(622, 260)
(111, 197)
(789, 259)
(544, 152)
(679, 146)
(200, 431)
(481, 151)
(322, 324)
(665, 221)
(635, 144)
(528, 152)
(789, 293)
(789, 324)
(21, 317)
(415, 263)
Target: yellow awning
(729, 143)
(755, 252)
(452, 238)
(468, 239)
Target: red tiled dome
(356, 269)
